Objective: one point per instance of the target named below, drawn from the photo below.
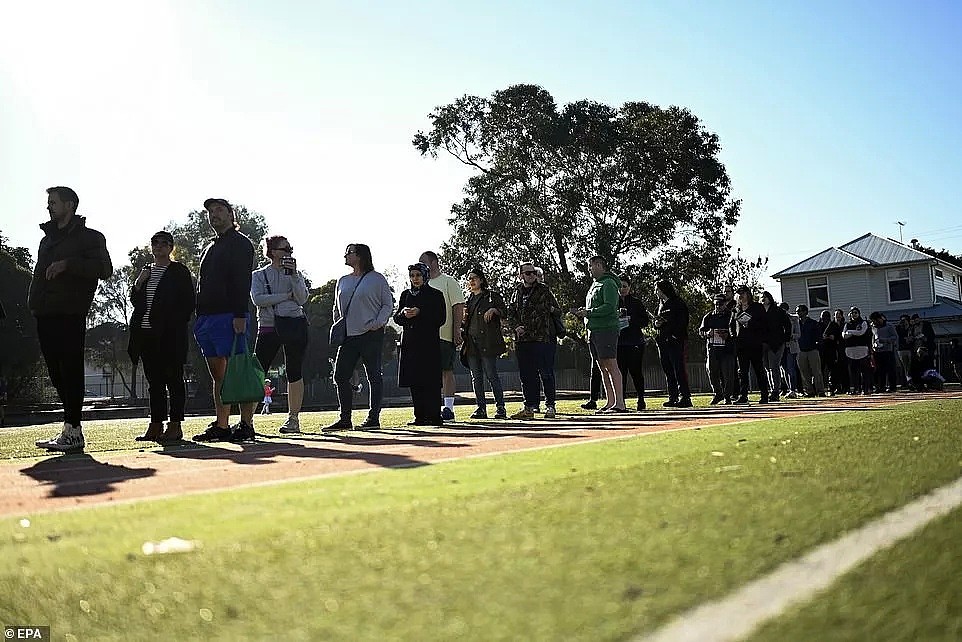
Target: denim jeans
(536, 368)
(486, 367)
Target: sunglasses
(528, 272)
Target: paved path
(59, 482)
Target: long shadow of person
(75, 475)
(261, 453)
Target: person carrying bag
(244, 378)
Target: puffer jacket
(87, 260)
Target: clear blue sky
(836, 119)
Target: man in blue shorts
(223, 296)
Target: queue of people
(790, 353)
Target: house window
(899, 287)
(817, 292)
(939, 274)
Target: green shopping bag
(244, 379)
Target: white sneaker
(291, 427)
(549, 412)
(70, 440)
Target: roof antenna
(901, 224)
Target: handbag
(244, 378)
(339, 327)
(290, 330)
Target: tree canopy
(639, 185)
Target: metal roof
(943, 308)
(831, 259)
(867, 250)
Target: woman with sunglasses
(421, 312)
(484, 342)
(279, 292)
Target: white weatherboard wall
(948, 287)
(920, 282)
(849, 288)
(794, 291)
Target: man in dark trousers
(633, 315)
(70, 261)
(223, 298)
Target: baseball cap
(220, 201)
(163, 235)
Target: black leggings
(266, 347)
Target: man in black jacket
(70, 261)
(223, 298)
(633, 316)
(750, 327)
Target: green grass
(118, 434)
(912, 591)
(593, 542)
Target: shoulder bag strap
(353, 292)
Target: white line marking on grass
(736, 616)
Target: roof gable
(876, 249)
(865, 251)
(831, 259)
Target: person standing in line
(885, 341)
(363, 298)
(827, 349)
(529, 315)
(600, 314)
(223, 297)
(789, 371)
(858, 347)
(279, 291)
(841, 378)
(421, 311)
(672, 341)
(450, 340)
(779, 332)
(750, 326)
(633, 316)
(71, 259)
(904, 353)
(483, 342)
(163, 299)
(809, 358)
(720, 347)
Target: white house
(878, 274)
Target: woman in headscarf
(421, 312)
(483, 342)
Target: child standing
(268, 397)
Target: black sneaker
(340, 424)
(480, 413)
(213, 433)
(501, 414)
(717, 399)
(370, 423)
(670, 404)
(590, 405)
(642, 405)
(242, 432)
(685, 403)
(740, 401)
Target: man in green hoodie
(601, 318)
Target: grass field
(593, 542)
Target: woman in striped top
(163, 298)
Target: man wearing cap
(71, 259)
(223, 296)
(720, 346)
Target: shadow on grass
(81, 474)
(267, 453)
